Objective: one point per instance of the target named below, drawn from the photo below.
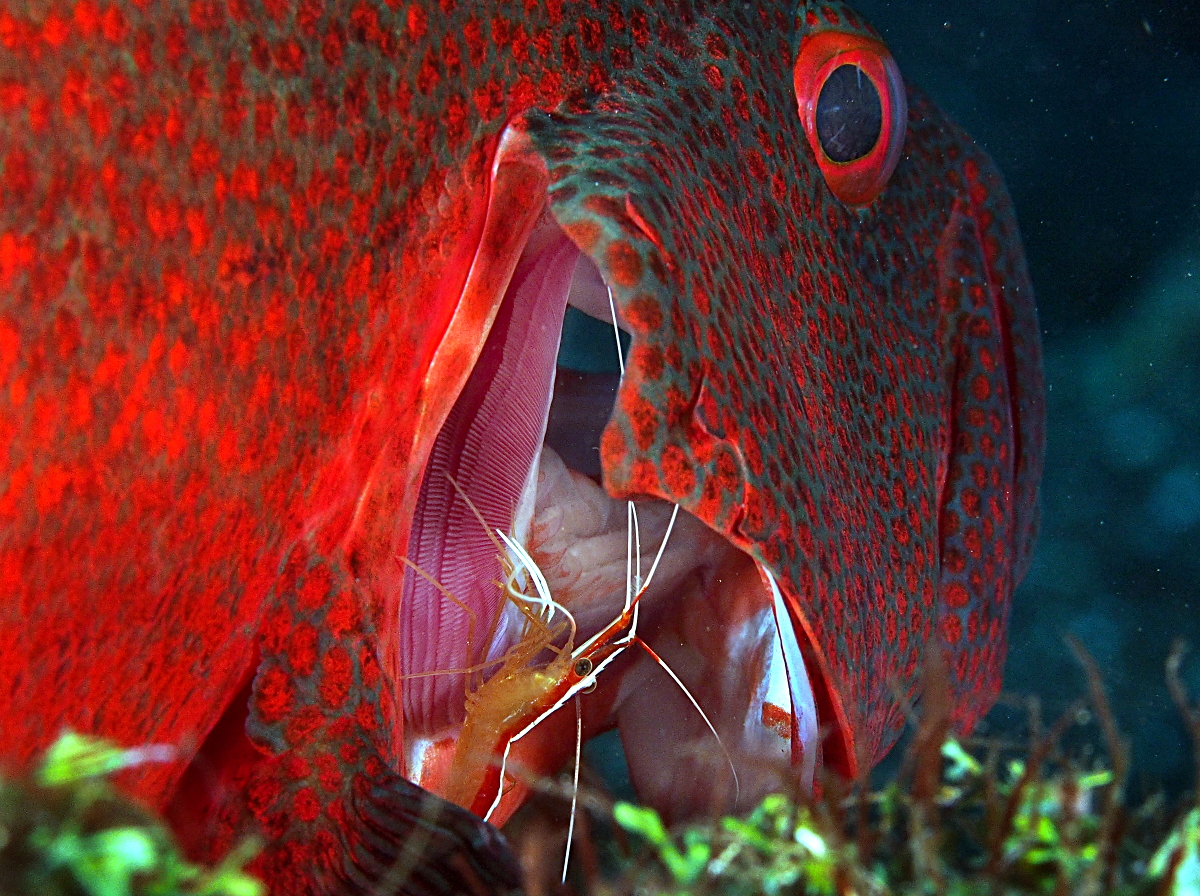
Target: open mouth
(519, 453)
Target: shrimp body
(526, 688)
(493, 713)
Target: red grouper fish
(281, 291)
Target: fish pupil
(849, 114)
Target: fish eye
(583, 667)
(854, 110)
(849, 115)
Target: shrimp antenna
(661, 547)
(574, 788)
(637, 549)
(612, 308)
(544, 599)
(472, 619)
(737, 787)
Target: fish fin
(408, 842)
(992, 453)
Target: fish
(254, 254)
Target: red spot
(295, 766)
(302, 649)
(112, 24)
(648, 360)
(583, 234)
(489, 99)
(337, 677)
(957, 596)
(87, 17)
(677, 473)
(727, 477)
(550, 87)
(472, 32)
(951, 629)
(612, 448)
(314, 593)
(568, 54)
(329, 775)
(714, 77)
(643, 420)
(289, 57)
(273, 691)
(981, 388)
(205, 15)
(452, 55)
(50, 486)
(752, 454)
(344, 616)
(333, 47)
(639, 28)
(455, 119)
(55, 31)
(306, 806)
(644, 313)
(416, 22)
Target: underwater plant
(984, 816)
(67, 831)
(959, 817)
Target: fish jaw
(732, 646)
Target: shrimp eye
(854, 110)
(583, 667)
(591, 686)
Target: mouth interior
(519, 452)
(517, 414)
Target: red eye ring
(860, 181)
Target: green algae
(68, 832)
(975, 817)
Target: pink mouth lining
(490, 447)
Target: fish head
(833, 371)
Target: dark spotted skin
(231, 238)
